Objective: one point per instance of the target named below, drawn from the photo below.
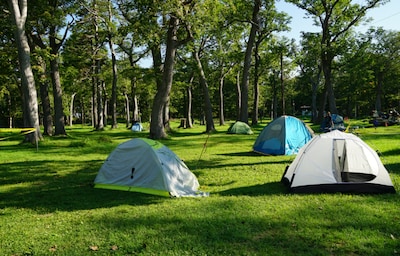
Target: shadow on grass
(37, 186)
(271, 188)
(393, 152)
(196, 165)
(227, 225)
(393, 168)
(248, 153)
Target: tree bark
(46, 106)
(210, 127)
(114, 86)
(127, 110)
(189, 123)
(254, 119)
(221, 101)
(114, 121)
(19, 11)
(161, 98)
(59, 120)
(238, 96)
(71, 110)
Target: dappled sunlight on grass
(48, 204)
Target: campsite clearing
(48, 205)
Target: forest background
(66, 62)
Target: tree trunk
(189, 123)
(314, 108)
(282, 85)
(221, 94)
(274, 113)
(59, 120)
(207, 102)
(71, 109)
(99, 103)
(114, 86)
(324, 99)
(161, 98)
(114, 121)
(46, 106)
(247, 62)
(19, 10)
(254, 119)
(9, 107)
(94, 95)
(127, 110)
(136, 116)
(315, 83)
(238, 96)
(167, 127)
(221, 101)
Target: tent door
(339, 158)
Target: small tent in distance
(239, 127)
(137, 127)
(337, 162)
(147, 166)
(285, 135)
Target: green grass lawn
(48, 205)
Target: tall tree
(270, 21)
(48, 29)
(19, 12)
(336, 18)
(174, 20)
(111, 34)
(309, 61)
(244, 87)
(92, 17)
(385, 53)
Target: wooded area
(207, 60)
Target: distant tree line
(66, 61)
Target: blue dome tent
(283, 136)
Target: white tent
(147, 166)
(337, 162)
(137, 127)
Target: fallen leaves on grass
(94, 247)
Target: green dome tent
(240, 128)
(147, 166)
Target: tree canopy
(208, 59)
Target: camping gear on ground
(283, 136)
(137, 127)
(338, 124)
(239, 127)
(147, 166)
(337, 162)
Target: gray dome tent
(147, 166)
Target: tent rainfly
(283, 136)
(239, 127)
(147, 166)
(337, 162)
